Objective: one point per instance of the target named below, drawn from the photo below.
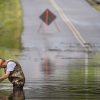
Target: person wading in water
(13, 72)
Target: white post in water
(86, 73)
(86, 66)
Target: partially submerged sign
(47, 17)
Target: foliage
(95, 4)
(10, 23)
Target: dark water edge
(54, 91)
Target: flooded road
(78, 78)
(59, 64)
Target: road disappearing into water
(56, 57)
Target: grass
(95, 4)
(10, 29)
(10, 23)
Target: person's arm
(5, 76)
(10, 67)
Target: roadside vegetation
(95, 4)
(10, 23)
(10, 29)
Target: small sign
(47, 17)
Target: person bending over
(13, 72)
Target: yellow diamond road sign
(47, 17)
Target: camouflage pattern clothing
(16, 76)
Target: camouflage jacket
(16, 76)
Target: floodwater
(67, 75)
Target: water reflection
(82, 79)
(47, 67)
(86, 73)
(17, 95)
